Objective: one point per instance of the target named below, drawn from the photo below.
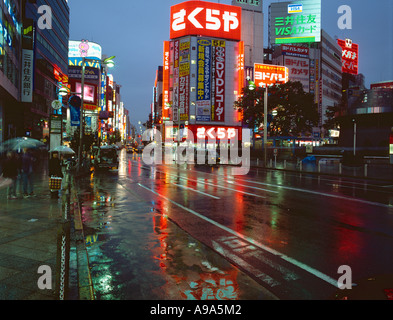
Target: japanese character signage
(216, 132)
(27, 75)
(203, 80)
(350, 56)
(267, 75)
(218, 87)
(295, 22)
(295, 51)
(206, 19)
(165, 80)
(184, 79)
(299, 70)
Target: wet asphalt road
(184, 232)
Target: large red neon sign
(205, 19)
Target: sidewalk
(28, 240)
(369, 170)
(42, 231)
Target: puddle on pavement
(136, 253)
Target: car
(106, 157)
(129, 148)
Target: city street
(185, 232)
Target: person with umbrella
(26, 172)
(10, 171)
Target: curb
(85, 282)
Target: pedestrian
(27, 161)
(10, 171)
(55, 171)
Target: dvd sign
(205, 19)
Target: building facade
(10, 68)
(45, 48)
(203, 71)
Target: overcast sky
(134, 32)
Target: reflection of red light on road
(129, 166)
(212, 286)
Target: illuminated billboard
(205, 19)
(267, 75)
(84, 48)
(295, 22)
(350, 56)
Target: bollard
(271, 163)
(301, 166)
(285, 164)
(319, 167)
(365, 170)
(257, 162)
(340, 168)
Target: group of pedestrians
(19, 169)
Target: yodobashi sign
(205, 19)
(267, 75)
(350, 56)
(295, 22)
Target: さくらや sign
(205, 19)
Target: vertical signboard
(350, 56)
(240, 68)
(175, 95)
(203, 103)
(218, 87)
(184, 79)
(27, 75)
(165, 81)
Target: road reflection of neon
(213, 283)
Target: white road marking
(296, 263)
(206, 194)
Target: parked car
(106, 157)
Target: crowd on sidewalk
(16, 172)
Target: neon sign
(205, 19)
(266, 74)
(216, 133)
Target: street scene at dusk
(217, 152)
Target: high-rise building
(252, 30)
(313, 57)
(45, 50)
(203, 70)
(10, 68)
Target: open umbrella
(63, 150)
(21, 143)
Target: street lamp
(108, 62)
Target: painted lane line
(206, 194)
(251, 187)
(215, 185)
(294, 262)
(245, 265)
(324, 194)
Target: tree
(333, 114)
(296, 111)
